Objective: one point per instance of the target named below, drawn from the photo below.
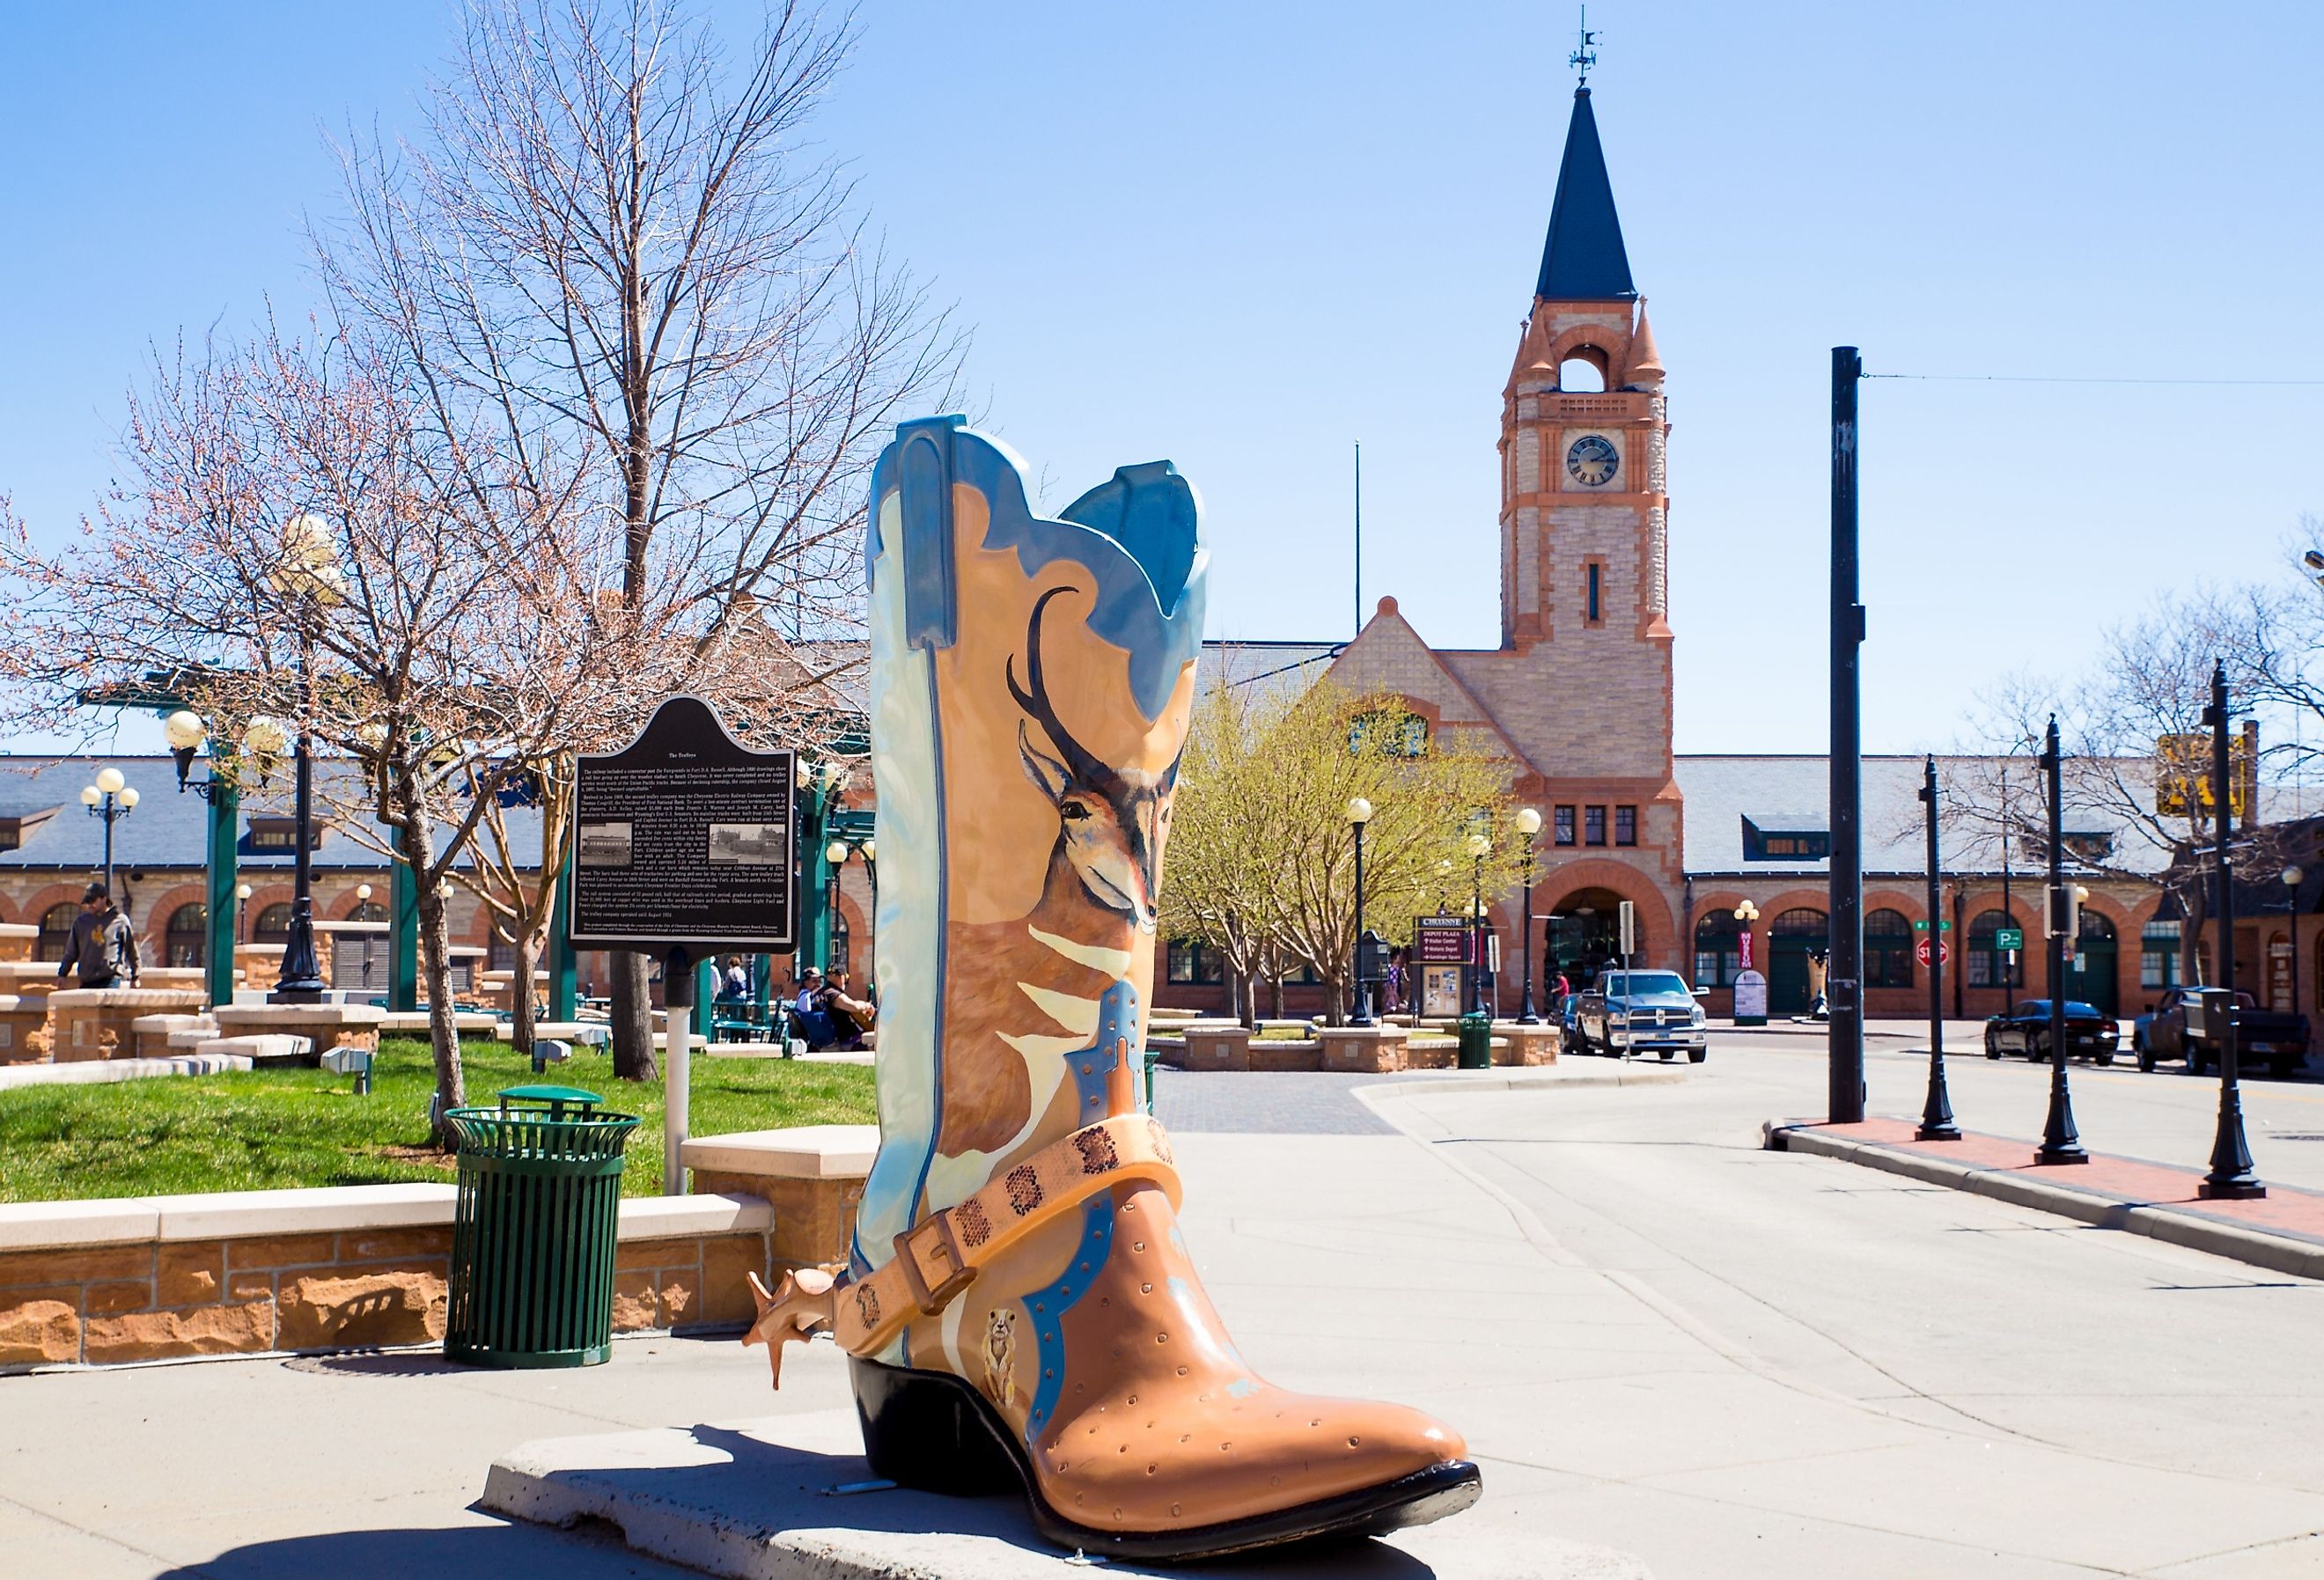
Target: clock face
(1593, 461)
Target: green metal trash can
(532, 1240)
(1476, 1041)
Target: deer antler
(1084, 765)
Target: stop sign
(1921, 948)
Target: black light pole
(1936, 1114)
(2291, 876)
(1844, 962)
(2060, 1142)
(302, 981)
(1359, 812)
(1528, 825)
(2231, 1178)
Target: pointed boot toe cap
(1258, 1456)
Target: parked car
(2025, 1030)
(1639, 1012)
(2175, 1028)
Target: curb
(2100, 1209)
(1521, 1078)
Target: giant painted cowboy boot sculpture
(1019, 1304)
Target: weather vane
(1584, 57)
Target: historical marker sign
(684, 838)
(1750, 998)
(1443, 941)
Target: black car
(2026, 1029)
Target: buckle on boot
(933, 1262)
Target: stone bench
(259, 1049)
(415, 1024)
(353, 1267)
(100, 1023)
(153, 1033)
(324, 1025)
(813, 1176)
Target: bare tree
(296, 548)
(2135, 764)
(611, 232)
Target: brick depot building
(1576, 698)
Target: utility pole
(2060, 1144)
(1359, 537)
(2231, 1178)
(2008, 917)
(1844, 963)
(1937, 1113)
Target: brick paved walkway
(2284, 1210)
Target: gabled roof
(1583, 259)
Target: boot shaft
(1031, 683)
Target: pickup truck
(1639, 1012)
(2175, 1028)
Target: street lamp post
(308, 577)
(112, 799)
(2231, 1178)
(2291, 875)
(1528, 825)
(241, 911)
(2060, 1144)
(1478, 847)
(1937, 1112)
(1359, 812)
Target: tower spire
(1583, 259)
(1585, 54)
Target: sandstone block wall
(347, 1289)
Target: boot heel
(931, 1431)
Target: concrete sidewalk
(2283, 1230)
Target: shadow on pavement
(476, 1552)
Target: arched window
(2096, 928)
(1718, 949)
(1988, 964)
(271, 925)
(500, 951)
(56, 930)
(368, 911)
(185, 940)
(1583, 372)
(1887, 949)
(1801, 923)
(2158, 954)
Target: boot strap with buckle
(940, 1256)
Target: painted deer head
(1110, 820)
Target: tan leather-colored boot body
(1020, 1301)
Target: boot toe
(1129, 1471)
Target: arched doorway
(1793, 939)
(1584, 937)
(2090, 969)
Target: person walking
(102, 950)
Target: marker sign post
(1443, 942)
(1750, 998)
(682, 848)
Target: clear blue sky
(1245, 236)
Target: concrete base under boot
(755, 1500)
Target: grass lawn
(265, 1129)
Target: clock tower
(1584, 512)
